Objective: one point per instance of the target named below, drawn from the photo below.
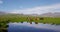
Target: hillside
(49, 14)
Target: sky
(30, 6)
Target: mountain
(50, 14)
(1, 13)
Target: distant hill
(9, 14)
(2, 13)
(49, 14)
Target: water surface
(27, 27)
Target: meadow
(23, 18)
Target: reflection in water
(30, 22)
(36, 22)
(21, 21)
(27, 27)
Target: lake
(28, 27)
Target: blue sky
(30, 6)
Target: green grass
(20, 18)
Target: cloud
(1, 1)
(39, 9)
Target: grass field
(20, 18)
